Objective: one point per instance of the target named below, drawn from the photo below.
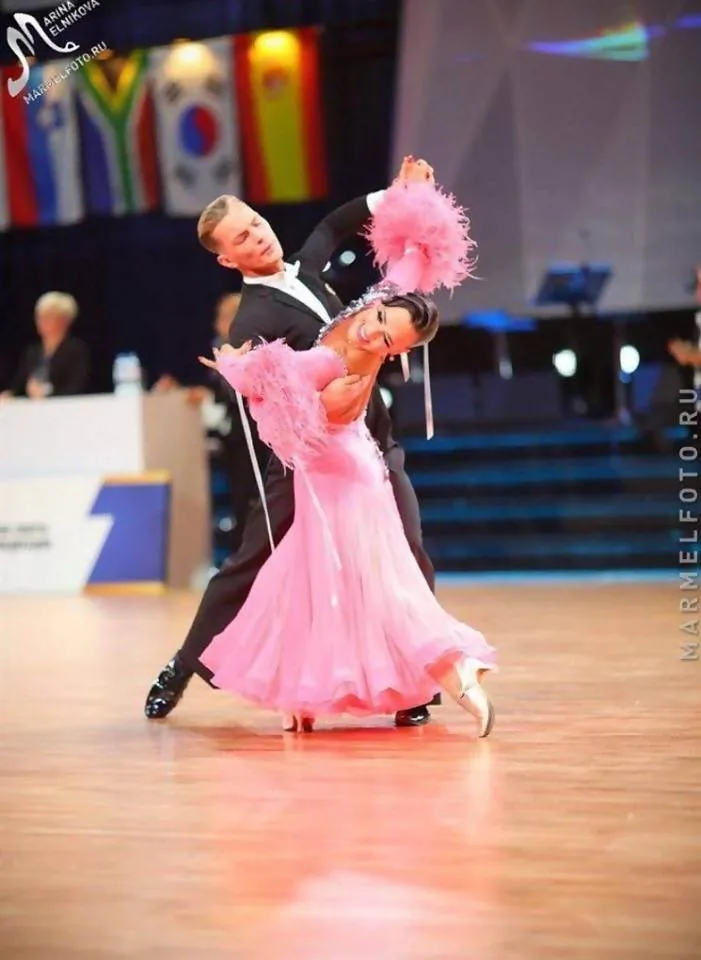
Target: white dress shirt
(288, 282)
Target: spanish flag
(279, 108)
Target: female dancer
(340, 618)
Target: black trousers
(227, 590)
(243, 491)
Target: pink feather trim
(421, 239)
(282, 389)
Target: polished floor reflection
(574, 831)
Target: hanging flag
(40, 149)
(118, 139)
(279, 103)
(3, 189)
(196, 121)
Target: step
(570, 563)
(618, 512)
(664, 544)
(592, 437)
(485, 510)
(557, 471)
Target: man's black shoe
(168, 689)
(416, 717)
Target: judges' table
(102, 493)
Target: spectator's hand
(5, 396)
(196, 396)
(684, 353)
(36, 390)
(165, 384)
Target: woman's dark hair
(423, 313)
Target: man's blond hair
(210, 218)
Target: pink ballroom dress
(340, 618)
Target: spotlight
(565, 362)
(188, 60)
(347, 258)
(275, 45)
(506, 371)
(629, 359)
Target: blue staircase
(578, 497)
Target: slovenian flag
(279, 105)
(118, 137)
(39, 149)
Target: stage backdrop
(571, 130)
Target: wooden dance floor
(574, 831)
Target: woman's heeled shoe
(474, 698)
(297, 723)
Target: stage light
(565, 362)
(188, 60)
(387, 397)
(506, 371)
(629, 359)
(275, 47)
(347, 258)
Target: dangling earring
(404, 358)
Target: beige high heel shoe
(297, 723)
(473, 698)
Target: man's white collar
(290, 272)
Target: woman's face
(51, 324)
(383, 331)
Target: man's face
(247, 242)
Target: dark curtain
(143, 283)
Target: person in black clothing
(287, 300)
(235, 457)
(234, 450)
(59, 366)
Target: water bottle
(127, 375)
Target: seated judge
(59, 365)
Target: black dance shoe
(416, 717)
(168, 689)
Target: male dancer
(290, 301)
